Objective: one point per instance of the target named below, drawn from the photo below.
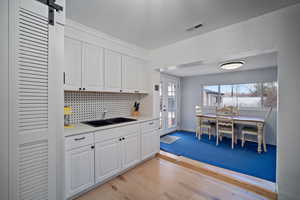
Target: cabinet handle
(64, 77)
(92, 147)
(121, 90)
(151, 123)
(77, 139)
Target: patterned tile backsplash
(91, 105)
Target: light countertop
(83, 128)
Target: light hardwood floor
(163, 180)
(251, 183)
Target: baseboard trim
(199, 167)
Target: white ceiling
(257, 61)
(155, 23)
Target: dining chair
(228, 111)
(203, 125)
(225, 125)
(253, 130)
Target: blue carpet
(244, 160)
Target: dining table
(259, 122)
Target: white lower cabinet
(79, 170)
(131, 150)
(115, 155)
(92, 158)
(149, 139)
(107, 159)
(150, 144)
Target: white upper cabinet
(134, 75)
(113, 71)
(129, 74)
(73, 62)
(93, 68)
(143, 76)
(89, 67)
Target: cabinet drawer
(149, 126)
(79, 140)
(115, 132)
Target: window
(228, 95)
(210, 95)
(171, 104)
(269, 93)
(250, 95)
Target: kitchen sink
(121, 120)
(106, 122)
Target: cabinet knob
(79, 88)
(123, 138)
(120, 139)
(92, 147)
(83, 88)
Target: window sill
(244, 109)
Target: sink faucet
(104, 113)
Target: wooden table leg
(260, 136)
(200, 122)
(264, 140)
(217, 133)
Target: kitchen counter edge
(83, 128)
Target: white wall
(277, 31)
(192, 91)
(4, 100)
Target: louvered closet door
(32, 122)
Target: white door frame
(164, 79)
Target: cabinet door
(79, 170)
(150, 144)
(131, 150)
(107, 159)
(93, 68)
(35, 87)
(73, 62)
(113, 71)
(143, 74)
(129, 74)
(147, 146)
(156, 141)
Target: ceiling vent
(193, 28)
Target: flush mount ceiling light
(232, 65)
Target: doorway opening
(253, 91)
